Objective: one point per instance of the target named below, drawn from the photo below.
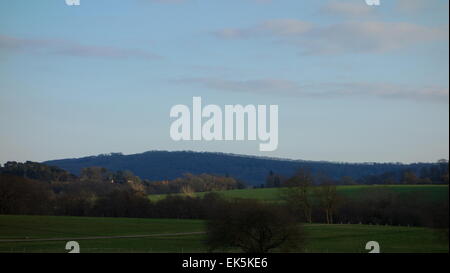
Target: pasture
(433, 192)
(186, 236)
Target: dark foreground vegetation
(249, 225)
(254, 227)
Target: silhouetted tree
(253, 227)
(298, 193)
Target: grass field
(434, 192)
(34, 227)
(320, 237)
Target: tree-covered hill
(164, 165)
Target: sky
(354, 83)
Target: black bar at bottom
(226, 262)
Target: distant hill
(164, 165)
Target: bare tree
(298, 193)
(327, 197)
(187, 191)
(253, 227)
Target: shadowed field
(321, 238)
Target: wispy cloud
(348, 8)
(414, 7)
(347, 37)
(270, 28)
(67, 48)
(323, 90)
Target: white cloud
(349, 37)
(279, 27)
(323, 90)
(373, 37)
(67, 48)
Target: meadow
(434, 192)
(39, 227)
(162, 236)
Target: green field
(33, 227)
(434, 192)
(320, 237)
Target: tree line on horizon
(164, 165)
(188, 183)
(434, 174)
(437, 173)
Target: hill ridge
(159, 165)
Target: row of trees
(187, 184)
(382, 206)
(435, 174)
(19, 195)
(36, 171)
(302, 196)
(308, 203)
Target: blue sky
(353, 82)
